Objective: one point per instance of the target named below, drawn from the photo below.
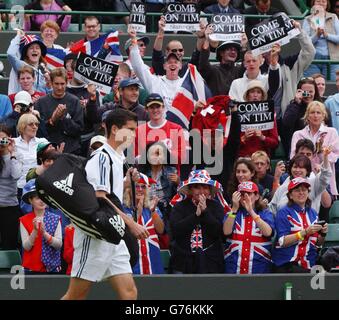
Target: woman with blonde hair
(26, 144)
(321, 136)
(148, 215)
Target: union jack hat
(248, 186)
(27, 40)
(199, 177)
(146, 180)
(297, 182)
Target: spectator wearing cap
(27, 50)
(62, 113)
(222, 6)
(196, 225)
(33, 22)
(253, 140)
(261, 7)
(173, 46)
(128, 99)
(5, 106)
(252, 65)
(26, 78)
(219, 77)
(162, 130)
(46, 154)
(298, 233)
(96, 142)
(142, 44)
(23, 104)
(41, 235)
(301, 166)
(249, 228)
(166, 86)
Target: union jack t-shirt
(290, 220)
(247, 250)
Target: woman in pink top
(34, 21)
(321, 136)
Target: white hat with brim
(255, 84)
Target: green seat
(119, 27)
(332, 238)
(9, 258)
(73, 27)
(334, 212)
(165, 257)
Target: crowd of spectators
(248, 217)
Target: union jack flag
(55, 58)
(196, 239)
(248, 251)
(93, 47)
(193, 89)
(149, 249)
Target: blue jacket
(332, 104)
(5, 106)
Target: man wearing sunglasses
(166, 86)
(174, 46)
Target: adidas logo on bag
(65, 185)
(118, 224)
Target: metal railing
(99, 14)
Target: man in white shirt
(95, 260)
(252, 65)
(168, 85)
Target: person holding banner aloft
(253, 140)
(173, 46)
(219, 77)
(323, 28)
(166, 86)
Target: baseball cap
(98, 138)
(128, 42)
(41, 147)
(172, 55)
(297, 182)
(129, 82)
(154, 98)
(23, 97)
(248, 186)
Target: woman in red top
(26, 79)
(68, 247)
(41, 235)
(254, 140)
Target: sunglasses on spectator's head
(306, 78)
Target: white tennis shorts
(95, 260)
